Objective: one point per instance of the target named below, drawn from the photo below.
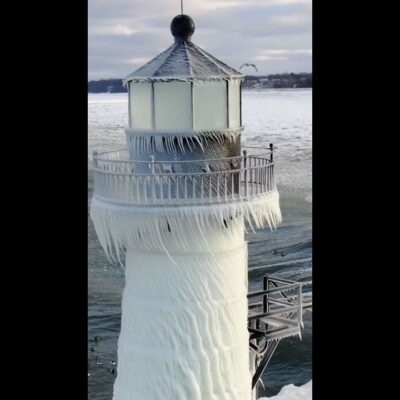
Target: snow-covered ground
(292, 392)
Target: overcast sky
(276, 35)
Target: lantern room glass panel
(173, 106)
(210, 105)
(140, 102)
(234, 103)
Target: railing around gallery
(156, 182)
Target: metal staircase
(276, 312)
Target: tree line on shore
(286, 80)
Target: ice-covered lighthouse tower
(175, 203)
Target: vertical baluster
(265, 297)
(226, 186)
(185, 187)
(193, 187)
(257, 176)
(132, 187)
(251, 181)
(202, 187)
(273, 176)
(233, 185)
(265, 176)
(129, 183)
(169, 182)
(121, 179)
(271, 183)
(95, 161)
(118, 188)
(125, 187)
(152, 179)
(161, 186)
(96, 182)
(144, 186)
(137, 190)
(210, 188)
(108, 192)
(245, 172)
(269, 177)
(262, 176)
(218, 186)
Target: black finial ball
(182, 26)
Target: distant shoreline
(273, 81)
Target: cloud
(125, 34)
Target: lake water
(279, 116)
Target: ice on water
(292, 392)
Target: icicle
(117, 224)
(141, 141)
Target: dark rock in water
(97, 338)
(92, 349)
(112, 370)
(283, 254)
(112, 362)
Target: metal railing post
(95, 161)
(265, 297)
(271, 147)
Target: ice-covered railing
(118, 179)
(278, 315)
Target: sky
(275, 35)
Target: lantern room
(184, 92)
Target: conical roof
(183, 61)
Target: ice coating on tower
(180, 227)
(183, 61)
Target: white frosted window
(234, 103)
(141, 105)
(173, 105)
(209, 103)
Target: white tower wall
(184, 322)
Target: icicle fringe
(179, 229)
(140, 141)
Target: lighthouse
(174, 206)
